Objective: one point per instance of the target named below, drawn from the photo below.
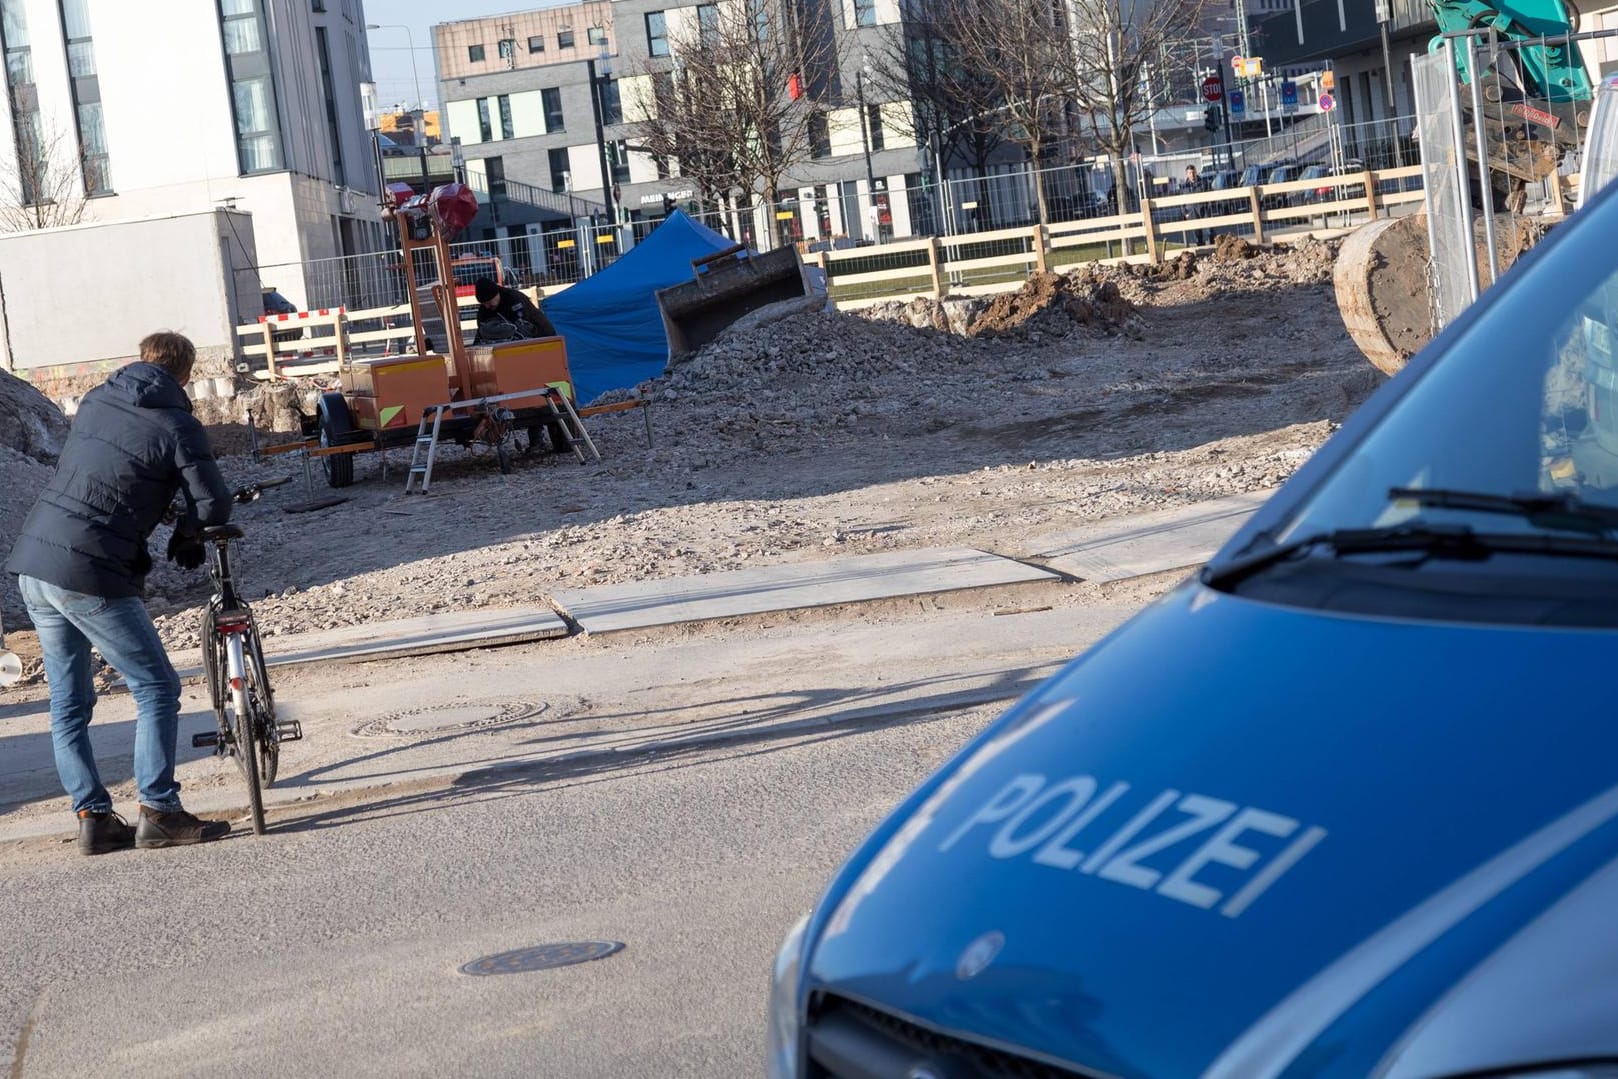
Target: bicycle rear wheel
(247, 737)
(261, 698)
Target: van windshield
(1502, 460)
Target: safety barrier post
(1257, 206)
(1370, 194)
(269, 346)
(935, 263)
(1040, 241)
(1151, 231)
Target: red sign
(1536, 116)
(1210, 88)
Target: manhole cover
(542, 957)
(459, 716)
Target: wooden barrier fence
(979, 263)
(982, 263)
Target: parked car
(277, 304)
(1317, 194)
(1341, 804)
(1280, 174)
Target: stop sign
(1210, 88)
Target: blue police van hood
(1183, 856)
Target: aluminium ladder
(422, 466)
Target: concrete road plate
(639, 605)
(483, 628)
(1146, 543)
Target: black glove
(186, 550)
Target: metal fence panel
(1448, 223)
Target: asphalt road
(332, 945)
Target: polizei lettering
(1175, 844)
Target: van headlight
(785, 1008)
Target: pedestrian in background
(1190, 185)
(81, 563)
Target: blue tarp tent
(614, 331)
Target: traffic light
(1210, 118)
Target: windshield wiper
(1454, 542)
(1562, 512)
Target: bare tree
(954, 105)
(45, 186)
(731, 103)
(1022, 47)
(1115, 46)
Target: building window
(32, 153)
(86, 87)
(317, 5)
(595, 35)
(506, 131)
(474, 54)
(329, 88)
(873, 126)
(819, 135)
(536, 44)
(559, 171)
(252, 87)
(494, 169)
(864, 12)
(551, 98)
(485, 128)
(612, 104)
(657, 33)
(564, 39)
(507, 48)
(708, 24)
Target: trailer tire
(336, 429)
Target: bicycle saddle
(222, 532)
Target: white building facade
(153, 108)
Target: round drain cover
(542, 957)
(459, 716)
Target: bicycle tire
(247, 754)
(261, 698)
(214, 666)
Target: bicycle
(237, 676)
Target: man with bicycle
(81, 563)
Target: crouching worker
(81, 565)
(505, 314)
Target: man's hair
(486, 289)
(171, 351)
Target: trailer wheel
(336, 427)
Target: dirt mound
(1229, 248)
(1056, 304)
(25, 478)
(29, 422)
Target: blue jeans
(68, 623)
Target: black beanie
(486, 289)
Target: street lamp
(1383, 16)
(865, 144)
(598, 77)
(418, 114)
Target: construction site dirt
(1114, 391)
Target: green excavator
(1536, 107)
(1536, 92)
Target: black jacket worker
(506, 306)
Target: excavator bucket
(727, 285)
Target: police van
(1344, 804)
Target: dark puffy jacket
(514, 307)
(134, 443)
